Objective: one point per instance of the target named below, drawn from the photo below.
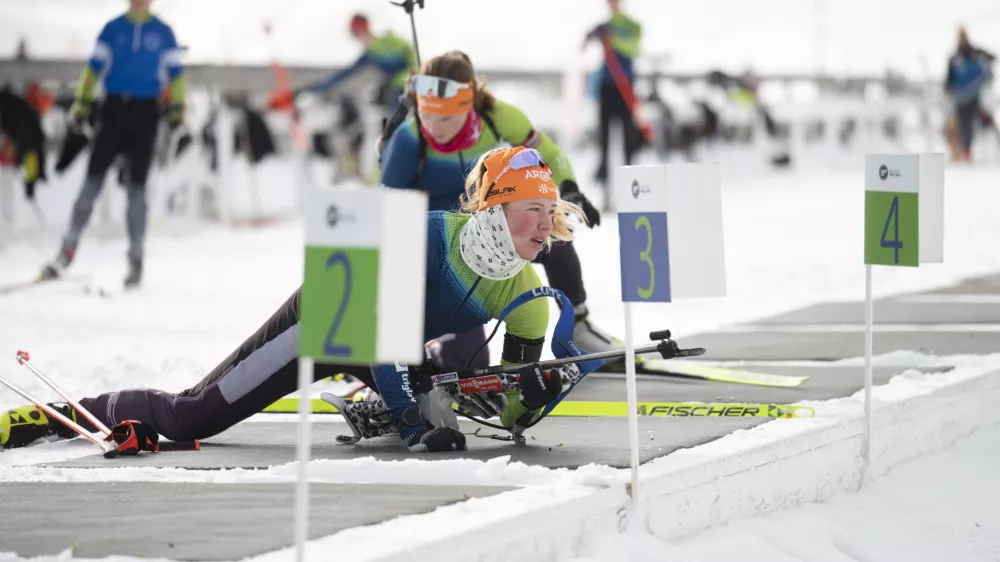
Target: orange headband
(443, 96)
(515, 174)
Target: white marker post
(904, 226)
(356, 305)
(671, 246)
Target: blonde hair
(457, 66)
(469, 201)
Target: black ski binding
(366, 419)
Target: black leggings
(127, 127)
(562, 267)
(612, 107)
(259, 372)
(967, 115)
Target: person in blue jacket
(136, 58)
(969, 70)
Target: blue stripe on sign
(645, 257)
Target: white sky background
(853, 36)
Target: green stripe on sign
(891, 229)
(339, 308)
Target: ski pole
(407, 6)
(24, 359)
(406, 103)
(626, 90)
(108, 447)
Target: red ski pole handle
(625, 89)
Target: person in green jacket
(621, 37)
(389, 54)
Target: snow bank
(775, 466)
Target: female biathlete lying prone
(477, 263)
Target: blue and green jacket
(457, 299)
(135, 57)
(443, 174)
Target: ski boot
(22, 426)
(589, 338)
(55, 269)
(134, 276)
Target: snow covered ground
(937, 507)
(791, 239)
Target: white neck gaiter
(487, 247)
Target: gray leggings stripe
(260, 365)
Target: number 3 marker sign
(355, 307)
(670, 245)
(670, 232)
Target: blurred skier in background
(387, 61)
(969, 71)
(620, 37)
(135, 57)
(388, 54)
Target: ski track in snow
(19, 465)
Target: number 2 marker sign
(355, 307)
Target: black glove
(78, 113)
(422, 437)
(538, 387)
(175, 116)
(569, 191)
(436, 440)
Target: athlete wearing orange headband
(475, 270)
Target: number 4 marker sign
(904, 209)
(904, 226)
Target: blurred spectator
(22, 50)
(620, 36)
(389, 54)
(20, 123)
(136, 56)
(969, 70)
(39, 99)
